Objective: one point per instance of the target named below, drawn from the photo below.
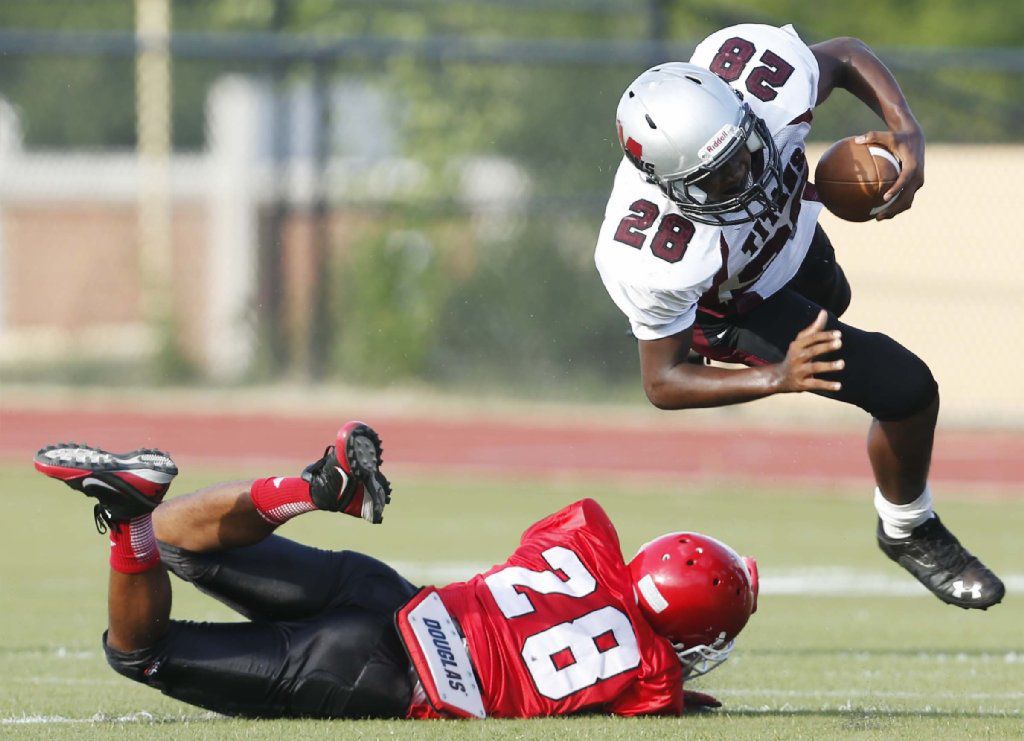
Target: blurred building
(72, 281)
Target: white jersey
(656, 264)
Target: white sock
(898, 520)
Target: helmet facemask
(762, 192)
(699, 660)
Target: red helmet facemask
(697, 592)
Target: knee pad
(882, 377)
(839, 297)
(185, 565)
(911, 389)
(137, 666)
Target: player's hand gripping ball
(851, 179)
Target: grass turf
(806, 666)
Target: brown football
(851, 179)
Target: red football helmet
(697, 592)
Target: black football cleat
(348, 477)
(125, 484)
(936, 559)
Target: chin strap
(699, 660)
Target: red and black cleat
(126, 484)
(348, 477)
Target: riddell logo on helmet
(715, 144)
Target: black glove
(699, 701)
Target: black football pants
(320, 641)
(881, 376)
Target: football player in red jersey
(711, 242)
(565, 625)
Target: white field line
(941, 657)
(776, 695)
(139, 717)
(57, 652)
(899, 695)
(60, 681)
(817, 582)
(843, 582)
(862, 710)
(145, 717)
(63, 680)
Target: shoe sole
(76, 464)
(363, 455)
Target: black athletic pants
(320, 641)
(881, 376)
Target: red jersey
(556, 629)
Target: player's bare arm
(672, 383)
(848, 63)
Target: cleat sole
(363, 452)
(108, 477)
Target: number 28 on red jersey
(574, 654)
(556, 629)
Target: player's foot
(348, 477)
(936, 559)
(126, 484)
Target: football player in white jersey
(710, 243)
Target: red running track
(499, 447)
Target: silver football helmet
(678, 123)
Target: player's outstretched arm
(672, 383)
(850, 64)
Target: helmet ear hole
(751, 565)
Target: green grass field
(873, 664)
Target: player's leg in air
(322, 642)
(898, 390)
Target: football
(851, 179)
